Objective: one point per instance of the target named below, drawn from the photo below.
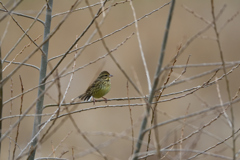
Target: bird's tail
(85, 97)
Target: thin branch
(131, 119)
(211, 135)
(24, 15)
(25, 64)
(108, 142)
(196, 14)
(226, 79)
(15, 6)
(214, 146)
(221, 102)
(78, 9)
(25, 32)
(71, 47)
(201, 65)
(48, 158)
(10, 122)
(1, 94)
(24, 114)
(140, 47)
(116, 31)
(20, 39)
(60, 144)
(190, 40)
(156, 79)
(18, 126)
(26, 46)
(33, 52)
(192, 115)
(5, 31)
(58, 126)
(182, 132)
(153, 152)
(228, 21)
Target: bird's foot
(105, 99)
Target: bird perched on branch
(99, 88)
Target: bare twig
(116, 31)
(190, 40)
(5, 31)
(71, 47)
(196, 14)
(18, 126)
(155, 83)
(20, 39)
(226, 79)
(182, 133)
(228, 21)
(214, 146)
(1, 94)
(25, 32)
(151, 153)
(60, 144)
(15, 5)
(192, 115)
(33, 52)
(131, 119)
(140, 47)
(221, 102)
(28, 45)
(73, 153)
(10, 122)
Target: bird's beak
(110, 75)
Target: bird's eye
(104, 76)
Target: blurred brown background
(116, 120)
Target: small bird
(100, 87)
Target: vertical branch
(140, 47)
(10, 123)
(131, 119)
(1, 95)
(226, 79)
(182, 132)
(155, 83)
(18, 126)
(73, 153)
(43, 71)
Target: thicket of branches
(169, 108)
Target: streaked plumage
(100, 87)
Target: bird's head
(105, 75)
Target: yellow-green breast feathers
(100, 87)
